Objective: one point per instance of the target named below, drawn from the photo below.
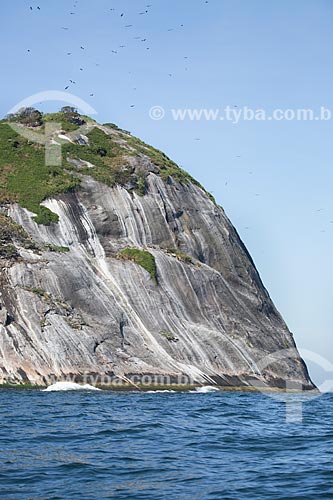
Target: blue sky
(274, 179)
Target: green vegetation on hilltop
(168, 168)
(27, 180)
(66, 125)
(29, 117)
(24, 177)
(105, 154)
(142, 258)
(68, 118)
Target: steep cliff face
(74, 302)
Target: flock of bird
(114, 51)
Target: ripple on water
(212, 445)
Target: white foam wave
(70, 386)
(206, 388)
(164, 390)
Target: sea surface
(209, 445)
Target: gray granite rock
(208, 317)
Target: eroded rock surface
(86, 311)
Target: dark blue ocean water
(83, 445)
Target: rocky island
(117, 263)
